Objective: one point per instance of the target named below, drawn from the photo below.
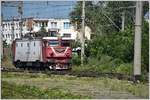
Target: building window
(67, 25)
(16, 35)
(43, 24)
(19, 35)
(12, 35)
(53, 34)
(53, 24)
(46, 24)
(66, 35)
(36, 24)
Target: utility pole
(12, 26)
(1, 32)
(83, 32)
(20, 11)
(123, 21)
(137, 40)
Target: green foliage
(13, 91)
(76, 59)
(109, 40)
(5, 45)
(75, 44)
(124, 68)
(42, 32)
(105, 64)
(145, 46)
(117, 45)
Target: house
(88, 33)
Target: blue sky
(39, 9)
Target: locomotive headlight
(68, 54)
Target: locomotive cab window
(53, 43)
(65, 43)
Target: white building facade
(11, 30)
(63, 26)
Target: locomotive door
(28, 50)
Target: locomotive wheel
(18, 64)
(38, 64)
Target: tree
(145, 46)
(42, 32)
(109, 40)
(5, 45)
(105, 16)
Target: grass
(13, 91)
(107, 64)
(80, 86)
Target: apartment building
(54, 26)
(63, 27)
(11, 30)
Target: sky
(38, 9)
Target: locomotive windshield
(65, 43)
(53, 43)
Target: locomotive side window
(27, 44)
(34, 43)
(53, 43)
(21, 44)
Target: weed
(13, 91)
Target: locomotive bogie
(60, 66)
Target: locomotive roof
(56, 38)
(53, 38)
(28, 39)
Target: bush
(76, 60)
(105, 64)
(126, 68)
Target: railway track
(74, 73)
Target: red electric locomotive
(48, 52)
(57, 52)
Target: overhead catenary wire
(36, 10)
